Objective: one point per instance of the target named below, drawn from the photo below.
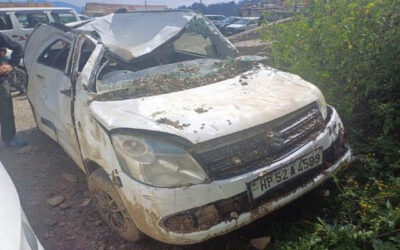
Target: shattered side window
(56, 55)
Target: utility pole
(145, 4)
(202, 6)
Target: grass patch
(351, 51)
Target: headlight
(155, 162)
(323, 108)
(321, 101)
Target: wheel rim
(110, 210)
(20, 80)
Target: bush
(351, 50)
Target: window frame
(17, 13)
(75, 56)
(52, 66)
(63, 12)
(78, 69)
(7, 15)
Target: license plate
(263, 184)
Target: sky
(169, 3)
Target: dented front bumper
(194, 214)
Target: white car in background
(18, 23)
(225, 22)
(181, 138)
(242, 24)
(215, 19)
(15, 231)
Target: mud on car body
(181, 139)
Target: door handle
(40, 76)
(67, 92)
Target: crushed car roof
(131, 35)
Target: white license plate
(263, 184)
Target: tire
(111, 207)
(20, 80)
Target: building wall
(100, 9)
(15, 5)
(278, 7)
(251, 12)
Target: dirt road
(42, 171)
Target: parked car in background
(215, 19)
(18, 23)
(241, 25)
(225, 22)
(15, 231)
(181, 138)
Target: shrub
(351, 50)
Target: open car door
(46, 59)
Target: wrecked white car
(181, 139)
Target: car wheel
(21, 80)
(111, 206)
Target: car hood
(10, 213)
(203, 113)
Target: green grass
(351, 51)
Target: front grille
(257, 147)
(193, 220)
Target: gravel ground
(42, 171)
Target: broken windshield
(135, 37)
(199, 39)
(196, 56)
(126, 84)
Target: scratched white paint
(165, 201)
(230, 106)
(264, 209)
(42, 92)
